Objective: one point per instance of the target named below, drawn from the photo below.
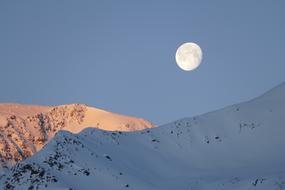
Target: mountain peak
(25, 129)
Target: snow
(239, 147)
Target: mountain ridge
(239, 147)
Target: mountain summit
(25, 129)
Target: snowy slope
(240, 147)
(25, 129)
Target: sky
(120, 55)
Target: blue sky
(120, 55)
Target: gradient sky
(120, 55)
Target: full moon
(188, 56)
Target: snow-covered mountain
(239, 147)
(25, 129)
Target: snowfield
(240, 147)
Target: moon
(188, 56)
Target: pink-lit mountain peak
(25, 129)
